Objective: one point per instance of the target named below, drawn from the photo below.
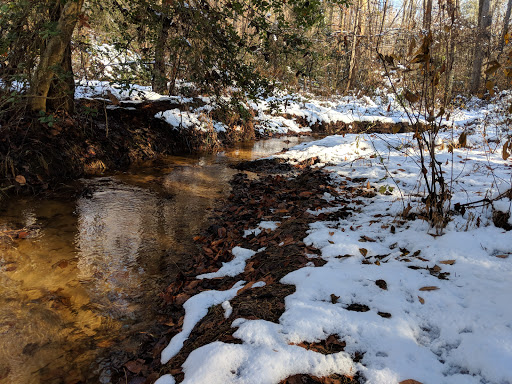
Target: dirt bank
(40, 154)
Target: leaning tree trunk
(61, 96)
(53, 59)
(481, 43)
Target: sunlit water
(89, 275)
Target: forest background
(324, 47)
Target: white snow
(165, 379)
(195, 309)
(264, 225)
(233, 267)
(228, 309)
(266, 356)
(179, 119)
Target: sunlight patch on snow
(266, 356)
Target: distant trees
(214, 43)
(248, 45)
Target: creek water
(88, 276)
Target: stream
(88, 276)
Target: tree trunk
(451, 49)
(159, 81)
(506, 21)
(427, 16)
(53, 58)
(61, 96)
(481, 43)
(353, 51)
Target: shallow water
(88, 276)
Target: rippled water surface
(89, 273)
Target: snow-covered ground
(280, 114)
(448, 296)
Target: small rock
(381, 284)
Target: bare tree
(353, 51)
(481, 43)
(427, 15)
(451, 48)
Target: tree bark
(61, 96)
(159, 82)
(427, 16)
(481, 43)
(53, 57)
(353, 51)
(451, 50)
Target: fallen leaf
(222, 232)
(363, 251)
(502, 256)
(135, 366)
(410, 381)
(429, 288)
(181, 298)
(447, 262)
(421, 299)
(21, 179)
(105, 343)
(245, 287)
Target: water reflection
(111, 227)
(90, 274)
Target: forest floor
(305, 277)
(323, 267)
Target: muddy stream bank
(80, 290)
